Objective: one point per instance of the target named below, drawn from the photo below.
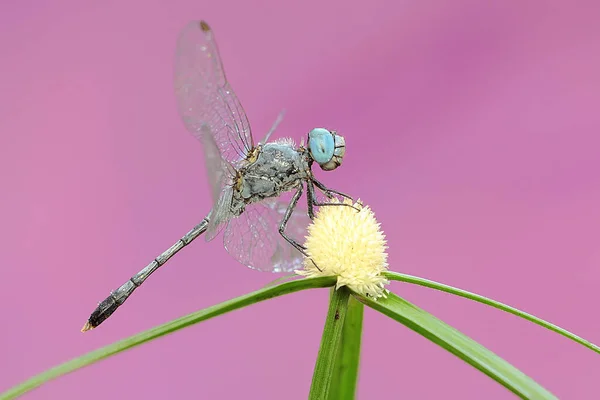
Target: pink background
(472, 131)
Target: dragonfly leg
(286, 218)
(284, 221)
(328, 192)
(310, 199)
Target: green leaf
(169, 327)
(282, 279)
(493, 303)
(458, 344)
(330, 343)
(345, 375)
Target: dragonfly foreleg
(327, 192)
(310, 199)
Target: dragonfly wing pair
(213, 114)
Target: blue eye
(321, 145)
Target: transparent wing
(206, 101)
(253, 238)
(219, 215)
(221, 174)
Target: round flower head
(349, 244)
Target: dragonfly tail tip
(87, 327)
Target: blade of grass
(285, 278)
(460, 345)
(493, 303)
(330, 343)
(169, 327)
(345, 376)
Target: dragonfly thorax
(279, 167)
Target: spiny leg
(117, 298)
(314, 202)
(328, 191)
(310, 199)
(286, 218)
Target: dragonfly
(247, 180)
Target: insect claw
(315, 264)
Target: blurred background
(471, 130)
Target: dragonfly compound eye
(326, 148)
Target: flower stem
(345, 375)
(330, 344)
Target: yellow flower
(348, 244)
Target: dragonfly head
(327, 148)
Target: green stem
(169, 327)
(330, 343)
(347, 361)
(493, 303)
